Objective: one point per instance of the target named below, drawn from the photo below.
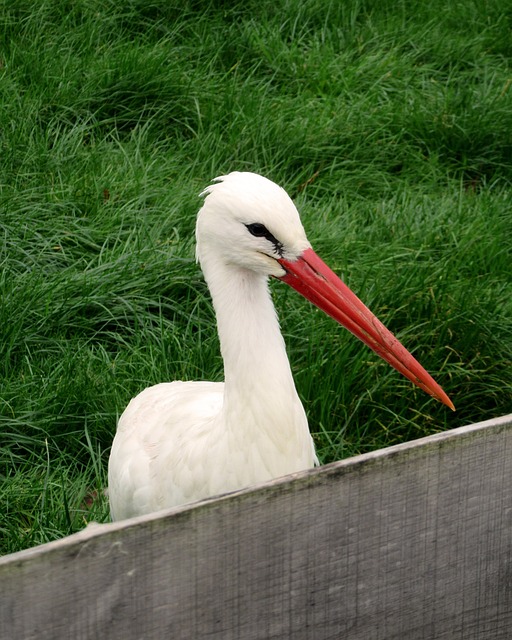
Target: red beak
(313, 279)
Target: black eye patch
(260, 231)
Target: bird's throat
(257, 372)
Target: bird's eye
(259, 230)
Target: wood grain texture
(413, 542)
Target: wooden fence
(413, 542)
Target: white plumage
(182, 441)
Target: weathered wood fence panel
(413, 542)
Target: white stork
(178, 442)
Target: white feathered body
(183, 441)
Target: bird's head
(250, 223)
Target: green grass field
(389, 123)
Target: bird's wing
(150, 435)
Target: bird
(183, 441)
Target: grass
(389, 123)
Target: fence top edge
(94, 529)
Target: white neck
(253, 349)
(261, 404)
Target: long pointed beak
(313, 279)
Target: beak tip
(446, 401)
